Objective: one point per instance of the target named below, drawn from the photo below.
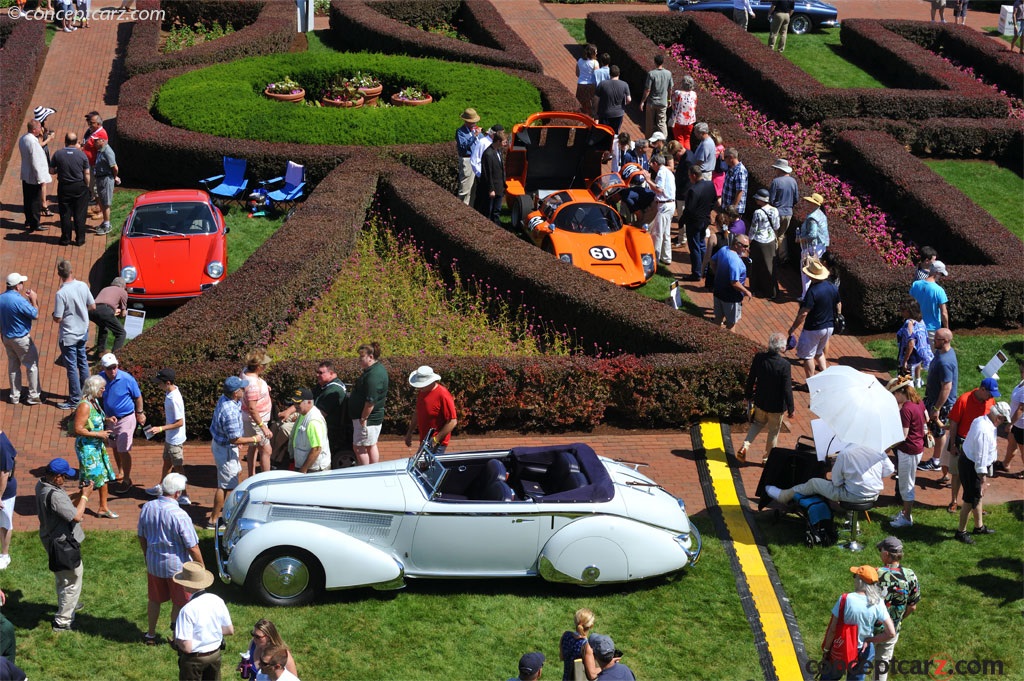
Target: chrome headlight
(215, 270)
(647, 260)
(566, 257)
(129, 274)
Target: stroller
(785, 468)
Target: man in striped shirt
(168, 540)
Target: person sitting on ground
(857, 477)
(607, 658)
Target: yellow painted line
(773, 622)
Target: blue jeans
(77, 365)
(696, 248)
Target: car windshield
(588, 218)
(172, 219)
(427, 470)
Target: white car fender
(347, 562)
(605, 549)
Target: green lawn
(970, 352)
(450, 629)
(576, 28)
(994, 31)
(971, 596)
(822, 56)
(997, 189)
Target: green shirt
(371, 386)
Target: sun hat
(783, 165)
(898, 383)
(300, 395)
(470, 116)
(890, 544)
(233, 383)
(815, 270)
(761, 195)
(13, 279)
(992, 386)
(108, 360)
(41, 113)
(530, 663)
(193, 576)
(423, 377)
(815, 198)
(865, 572)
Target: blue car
(808, 15)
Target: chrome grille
(363, 525)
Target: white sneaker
(183, 500)
(772, 491)
(154, 491)
(5, 560)
(901, 521)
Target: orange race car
(580, 227)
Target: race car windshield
(172, 219)
(588, 218)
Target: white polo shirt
(201, 620)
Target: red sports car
(173, 247)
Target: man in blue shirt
(812, 236)
(730, 277)
(122, 404)
(465, 136)
(18, 307)
(228, 433)
(940, 394)
(704, 155)
(932, 299)
(734, 191)
(817, 315)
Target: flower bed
(22, 44)
(695, 369)
(269, 27)
(389, 27)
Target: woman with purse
(264, 635)
(850, 638)
(91, 441)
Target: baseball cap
(939, 267)
(890, 544)
(164, 375)
(991, 385)
(13, 279)
(299, 395)
(530, 663)
(658, 137)
(108, 360)
(61, 467)
(604, 646)
(233, 383)
(866, 573)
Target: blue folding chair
(232, 183)
(291, 192)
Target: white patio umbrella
(856, 407)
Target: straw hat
(898, 383)
(815, 270)
(193, 576)
(815, 198)
(470, 116)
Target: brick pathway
(74, 85)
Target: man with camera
(60, 520)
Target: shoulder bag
(64, 551)
(841, 652)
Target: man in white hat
(817, 316)
(812, 236)
(465, 136)
(122, 404)
(435, 408)
(783, 193)
(201, 626)
(19, 307)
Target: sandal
(108, 514)
(952, 508)
(741, 455)
(149, 640)
(944, 480)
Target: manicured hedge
(383, 27)
(688, 368)
(22, 51)
(999, 139)
(990, 60)
(269, 28)
(185, 156)
(985, 285)
(197, 100)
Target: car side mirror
(226, 229)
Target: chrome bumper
(222, 563)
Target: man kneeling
(856, 477)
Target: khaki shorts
(364, 437)
(174, 454)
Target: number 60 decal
(602, 253)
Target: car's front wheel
(286, 576)
(521, 207)
(800, 24)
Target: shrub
(181, 37)
(389, 27)
(261, 28)
(22, 50)
(998, 139)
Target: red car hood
(169, 264)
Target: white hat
(783, 165)
(108, 360)
(13, 279)
(658, 137)
(423, 377)
(938, 267)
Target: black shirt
(784, 5)
(820, 301)
(769, 383)
(70, 164)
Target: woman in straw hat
(812, 235)
(908, 452)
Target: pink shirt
(259, 392)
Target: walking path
(75, 85)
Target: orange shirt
(966, 409)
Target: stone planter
(290, 97)
(371, 94)
(395, 101)
(346, 104)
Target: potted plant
(285, 90)
(369, 86)
(344, 94)
(411, 96)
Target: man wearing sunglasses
(730, 270)
(271, 664)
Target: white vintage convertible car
(560, 512)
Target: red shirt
(434, 408)
(967, 408)
(89, 145)
(913, 418)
